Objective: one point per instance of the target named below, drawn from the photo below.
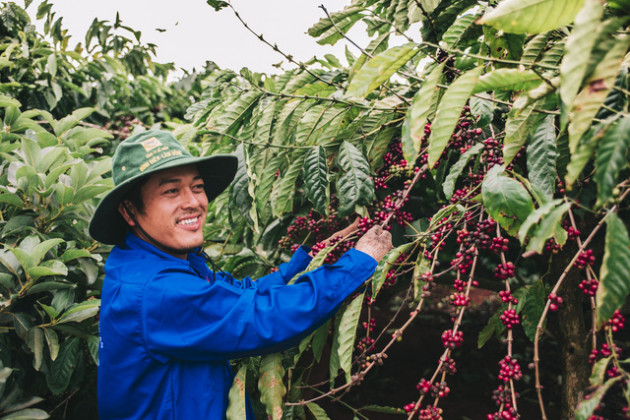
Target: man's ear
(122, 209)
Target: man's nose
(191, 199)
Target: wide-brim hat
(141, 155)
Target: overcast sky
(194, 32)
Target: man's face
(175, 205)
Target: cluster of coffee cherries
(589, 287)
(506, 297)
(556, 301)
(509, 369)
(616, 322)
(502, 397)
(585, 258)
(505, 270)
(459, 299)
(428, 413)
(510, 318)
(450, 340)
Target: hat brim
(107, 224)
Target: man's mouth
(190, 221)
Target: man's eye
(198, 187)
(171, 191)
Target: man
(169, 325)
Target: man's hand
(376, 243)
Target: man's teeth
(189, 221)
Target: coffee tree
(62, 112)
(496, 150)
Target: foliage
(60, 110)
(495, 149)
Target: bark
(573, 335)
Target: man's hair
(134, 195)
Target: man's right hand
(376, 243)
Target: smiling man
(168, 324)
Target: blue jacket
(168, 330)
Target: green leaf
(507, 79)
(80, 311)
(494, 326)
(74, 253)
(531, 16)
(271, 385)
(217, 4)
(551, 226)
(46, 286)
(355, 186)
(506, 200)
(345, 336)
(93, 343)
(343, 20)
(579, 44)
(534, 299)
(283, 191)
(316, 181)
(386, 264)
(599, 371)
(595, 91)
(53, 343)
(35, 341)
(615, 271)
(541, 156)
(454, 33)
(482, 107)
(240, 186)
(66, 123)
(317, 411)
(7, 101)
(320, 337)
(534, 218)
(27, 414)
(63, 367)
(611, 159)
(422, 266)
(533, 48)
(236, 398)
(31, 251)
(48, 268)
(588, 405)
(458, 167)
(418, 113)
(586, 149)
(379, 69)
(448, 113)
(518, 127)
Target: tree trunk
(573, 334)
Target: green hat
(144, 154)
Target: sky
(194, 32)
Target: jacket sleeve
(187, 318)
(286, 271)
